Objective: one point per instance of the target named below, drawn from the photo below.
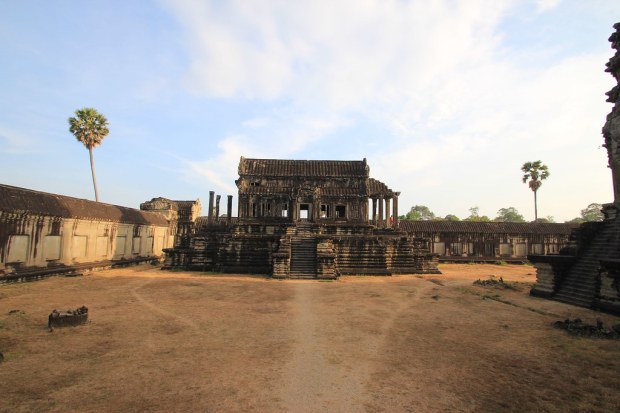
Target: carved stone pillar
(387, 213)
(380, 220)
(210, 215)
(294, 214)
(217, 207)
(396, 194)
(229, 209)
(374, 211)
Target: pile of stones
(492, 282)
(577, 327)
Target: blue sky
(446, 99)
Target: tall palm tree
(89, 127)
(536, 172)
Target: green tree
(509, 214)
(592, 212)
(451, 217)
(419, 213)
(474, 215)
(535, 172)
(90, 128)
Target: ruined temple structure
(588, 273)
(182, 215)
(305, 219)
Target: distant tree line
(423, 213)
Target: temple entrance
(304, 212)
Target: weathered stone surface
(67, 318)
(307, 219)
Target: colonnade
(382, 217)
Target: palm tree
(536, 172)
(89, 127)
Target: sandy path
(320, 376)
(309, 378)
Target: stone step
(579, 285)
(303, 257)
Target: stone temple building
(305, 219)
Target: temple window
(285, 210)
(325, 211)
(341, 211)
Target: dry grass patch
(162, 341)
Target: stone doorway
(304, 212)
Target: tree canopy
(90, 128)
(509, 214)
(419, 213)
(535, 172)
(591, 213)
(474, 215)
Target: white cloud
(546, 5)
(343, 53)
(460, 113)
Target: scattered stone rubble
(67, 318)
(577, 327)
(493, 282)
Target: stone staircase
(303, 251)
(303, 257)
(580, 284)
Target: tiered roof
(302, 168)
(28, 202)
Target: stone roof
(26, 201)
(485, 227)
(302, 168)
(278, 190)
(376, 187)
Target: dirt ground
(164, 341)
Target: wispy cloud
(434, 77)
(12, 142)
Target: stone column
(217, 208)
(210, 215)
(380, 219)
(396, 194)
(387, 213)
(229, 209)
(294, 213)
(374, 211)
